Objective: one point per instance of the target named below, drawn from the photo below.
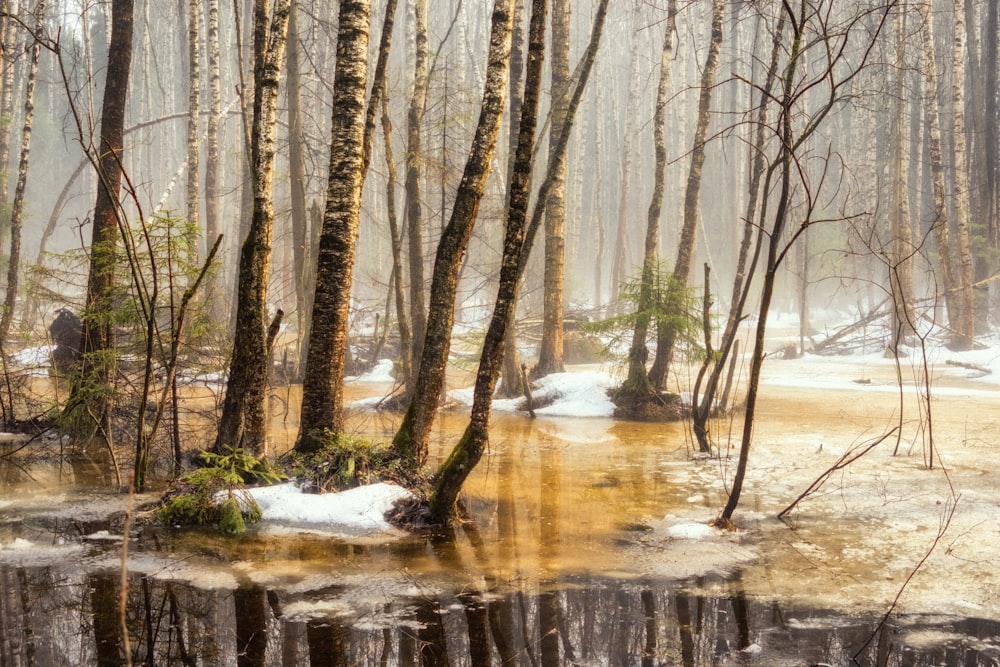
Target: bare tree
(410, 441)
(243, 423)
(322, 386)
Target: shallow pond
(588, 545)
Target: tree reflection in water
(48, 617)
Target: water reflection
(48, 617)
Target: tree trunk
(17, 209)
(550, 353)
(212, 172)
(965, 326)
(244, 411)
(322, 387)
(900, 261)
(411, 440)
(510, 377)
(297, 177)
(469, 449)
(194, 106)
(414, 212)
(638, 381)
(666, 337)
(940, 221)
(88, 410)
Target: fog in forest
(322, 243)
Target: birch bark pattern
(244, 410)
(965, 326)
(469, 450)
(322, 386)
(17, 208)
(410, 441)
(940, 220)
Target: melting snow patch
(18, 544)
(381, 372)
(356, 511)
(690, 530)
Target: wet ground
(589, 546)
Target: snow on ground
(381, 372)
(355, 512)
(582, 393)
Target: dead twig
(847, 459)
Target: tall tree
(667, 331)
(414, 203)
(213, 121)
(550, 351)
(469, 449)
(410, 441)
(949, 272)
(637, 382)
(17, 209)
(88, 410)
(467, 453)
(243, 423)
(965, 326)
(297, 178)
(192, 199)
(322, 395)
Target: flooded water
(588, 545)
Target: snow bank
(381, 372)
(573, 394)
(354, 512)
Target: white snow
(691, 530)
(33, 357)
(381, 372)
(355, 511)
(581, 393)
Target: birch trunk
(667, 333)
(637, 382)
(940, 221)
(414, 211)
(965, 326)
(467, 453)
(194, 108)
(243, 423)
(322, 386)
(17, 209)
(411, 440)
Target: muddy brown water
(588, 546)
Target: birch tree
(322, 386)
(410, 441)
(243, 423)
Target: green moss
(345, 461)
(195, 501)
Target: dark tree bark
(469, 449)
(410, 441)
(244, 411)
(414, 201)
(88, 410)
(322, 387)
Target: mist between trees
(293, 192)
